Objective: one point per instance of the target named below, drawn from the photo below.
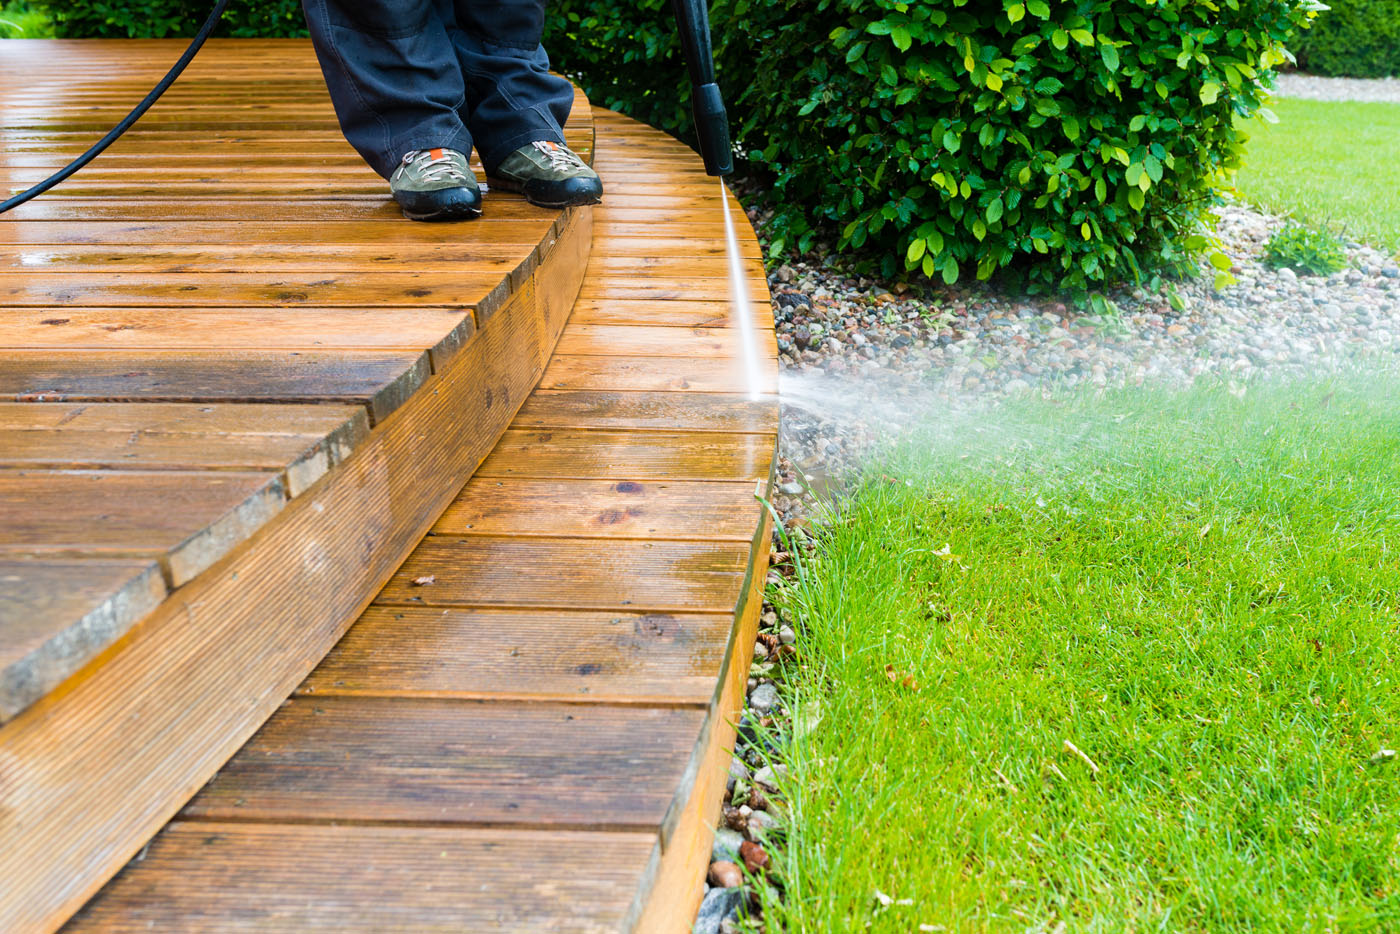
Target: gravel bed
(858, 356)
(1314, 87)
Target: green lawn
(1329, 163)
(18, 20)
(1200, 593)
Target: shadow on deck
(274, 452)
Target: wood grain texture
(609, 454)
(561, 655)
(203, 878)
(654, 576)
(55, 615)
(186, 520)
(642, 509)
(456, 762)
(381, 381)
(664, 411)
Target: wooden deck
(526, 728)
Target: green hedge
(161, 18)
(1356, 38)
(1074, 143)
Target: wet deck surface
(526, 728)
(540, 686)
(198, 326)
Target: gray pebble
(717, 905)
(764, 699)
(726, 845)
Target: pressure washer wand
(711, 121)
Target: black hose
(137, 112)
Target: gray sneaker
(436, 185)
(549, 174)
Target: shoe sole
(518, 188)
(455, 212)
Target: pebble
(770, 775)
(760, 824)
(786, 636)
(725, 874)
(726, 845)
(764, 699)
(760, 651)
(717, 905)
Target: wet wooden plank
(343, 425)
(636, 340)
(456, 762)
(240, 289)
(673, 577)
(493, 236)
(657, 374)
(325, 258)
(382, 381)
(209, 878)
(665, 411)
(625, 455)
(57, 614)
(618, 657)
(677, 288)
(303, 457)
(186, 519)
(644, 509)
(254, 328)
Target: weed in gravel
(1307, 251)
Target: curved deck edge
(670, 895)
(91, 771)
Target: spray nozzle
(711, 121)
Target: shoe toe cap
(581, 189)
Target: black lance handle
(711, 121)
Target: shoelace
(561, 158)
(440, 169)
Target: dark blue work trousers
(428, 74)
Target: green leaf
(1049, 86)
(1136, 199)
(1109, 55)
(1082, 36)
(1219, 260)
(1060, 39)
(917, 246)
(1210, 92)
(902, 39)
(950, 270)
(1038, 8)
(1015, 12)
(995, 211)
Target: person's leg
(512, 99)
(393, 76)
